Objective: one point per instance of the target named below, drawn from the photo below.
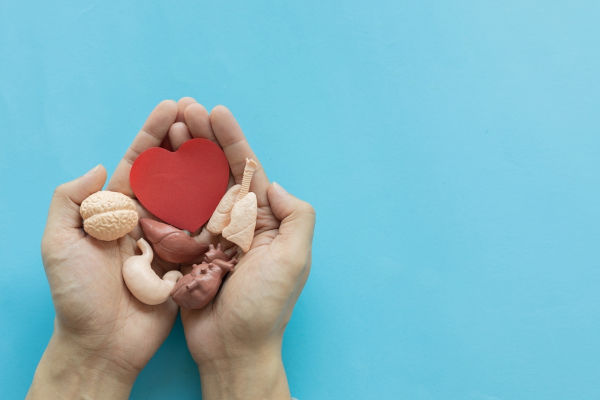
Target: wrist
(257, 374)
(69, 371)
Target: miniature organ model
(235, 216)
(172, 244)
(196, 289)
(143, 282)
(108, 215)
(111, 215)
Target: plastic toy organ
(143, 282)
(108, 215)
(235, 216)
(111, 215)
(199, 287)
(172, 244)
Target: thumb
(64, 208)
(297, 217)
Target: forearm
(260, 375)
(68, 372)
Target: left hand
(236, 339)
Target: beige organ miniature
(108, 215)
(235, 216)
(142, 281)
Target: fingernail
(92, 171)
(279, 188)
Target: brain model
(108, 215)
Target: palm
(232, 318)
(257, 298)
(92, 302)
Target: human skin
(236, 339)
(103, 336)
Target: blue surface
(451, 151)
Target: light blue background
(450, 148)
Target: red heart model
(182, 188)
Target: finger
(294, 239)
(197, 119)
(166, 143)
(64, 208)
(153, 132)
(182, 104)
(179, 134)
(204, 236)
(236, 148)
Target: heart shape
(183, 188)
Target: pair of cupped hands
(103, 336)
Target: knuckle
(307, 209)
(294, 260)
(297, 263)
(60, 190)
(45, 245)
(48, 248)
(299, 258)
(300, 265)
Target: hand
(103, 336)
(236, 340)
